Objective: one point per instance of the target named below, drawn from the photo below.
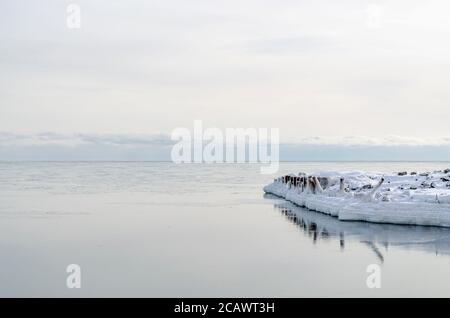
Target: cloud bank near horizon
(157, 147)
(53, 138)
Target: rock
(413, 173)
(403, 173)
(323, 182)
(446, 170)
(445, 179)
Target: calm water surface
(165, 230)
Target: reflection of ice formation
(378, 237)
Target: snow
(402, 198)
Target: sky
(324, 72)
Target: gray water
(164, 230)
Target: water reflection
(377, 237)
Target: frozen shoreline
(398, 198)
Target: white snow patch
(411, 198)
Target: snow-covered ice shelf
(398, 198)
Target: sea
(160, 229)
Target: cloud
(52, 138)
(391, 140)
(57, 139)
(140, 147)
(149, 66)
(51, 146)
(290, 45)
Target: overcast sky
(327, 69)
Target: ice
(397, 198)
